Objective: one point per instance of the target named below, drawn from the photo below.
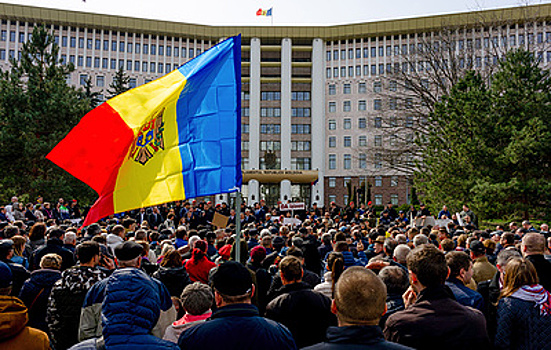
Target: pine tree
(37, 109)
(93, 97)
(120, 84)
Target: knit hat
(258, 253)
(232, 279)
(225, 251)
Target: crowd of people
(337, 278)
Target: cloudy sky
(286, 12)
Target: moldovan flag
(174, 138)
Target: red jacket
(199, 272)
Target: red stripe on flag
(94, 151)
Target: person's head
(335, 264)
(11, 231)
(88, 252)
(258, 254)
(70, 238)
(197, 298)
(18, 245)
(427, 266)
(118, 230)
(172, 259)
(360, 297)
(232, 284)
(395, 279)
(400, 253)
(507, 239)
(477, 249)
(447, 245)
(461, 266)
(128, 254)
(51, 261)
(420, 240)
(504, 257)
(38, 231)
(93, 230)
(290, 269)
(519, 272)
(532, 244)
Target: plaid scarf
(537, 294)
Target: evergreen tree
(37, 109)
(93, 97)
(120, 84)
(491, 147)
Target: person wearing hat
(128, 307)
(236, 324)
(483, 270)
(263, 278)
(14, 332)
(68, 293)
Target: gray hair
(401, 238)
(505, 255)
(197, 298)
(401, 252)
(420, 239)
(395, 278)
(326, 238)
(70, 237)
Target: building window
(378, 199)
(244, 128)
(332, 89)
(245, 111)
(362, 88)
(332, 107)
(347, 141)
(244, 145)
(300, 95)
(345, 199)
(96, 62)
(332, 142)
(347, 164)
(300, 129)
(83, 78)
(378, 181)
(4, 34)
(332, 161)
(362, 141)
(377, 104)
(392, 85)
(377, 86)
(394, 199)
(332, 124)
(409, 121)
(328, 73)
(270, 96)
(362, 105)
(378, 140)
(100, 81)
(362, 161)
(301, 163)
(346, 107)
(270, 129)
(362, 123)
(346, 181)
(80, 61)
(332, 198)
(332, 182)
(328, 56)
(132, 83)
(347, 123)
(88, 61)
(378, 122)
(270, 145)
(300, 145)
(300, 112)
(394, 181)
(270, 112)
(378, 161)
(393, 103)
(346, 89)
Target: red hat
(225, 251)
(369, 203)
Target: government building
(317, 105)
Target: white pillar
(254, 192)
(286, 73)
(219, 198)
(318, 119)
(285, 191)
(254, 107)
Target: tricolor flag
(262, 12)
(174, 138)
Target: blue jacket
(35, 294)
(520, 326)
(132, 304)
(350, 260)
(237, 326)
(465, 295)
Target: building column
(286, 74)
(254, 107)
(254, 192)
(285, 191)
(318, 120)
(220, 198)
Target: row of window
(105, 63)
(393, 140)
(460, 44)
(298, 163)
(393, 104)
(276, 145)
(276, 112)
(377, 198)
(362, 88)
(378, 181)
(269, 96)
(393, 121)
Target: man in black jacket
(359, 303)
(54, 245)
(432, 318)
(305, 312)
(533, 247)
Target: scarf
(188, 318)
(537, 294)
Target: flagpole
(238, 226)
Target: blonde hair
(518, 272)
(18, 244)
(51, 261)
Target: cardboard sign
(291, 221)
(292, 206)
(429, 220)
(220, 220)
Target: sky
(285, 12)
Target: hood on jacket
(13, 316)
(45, 278)
(80, 279)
